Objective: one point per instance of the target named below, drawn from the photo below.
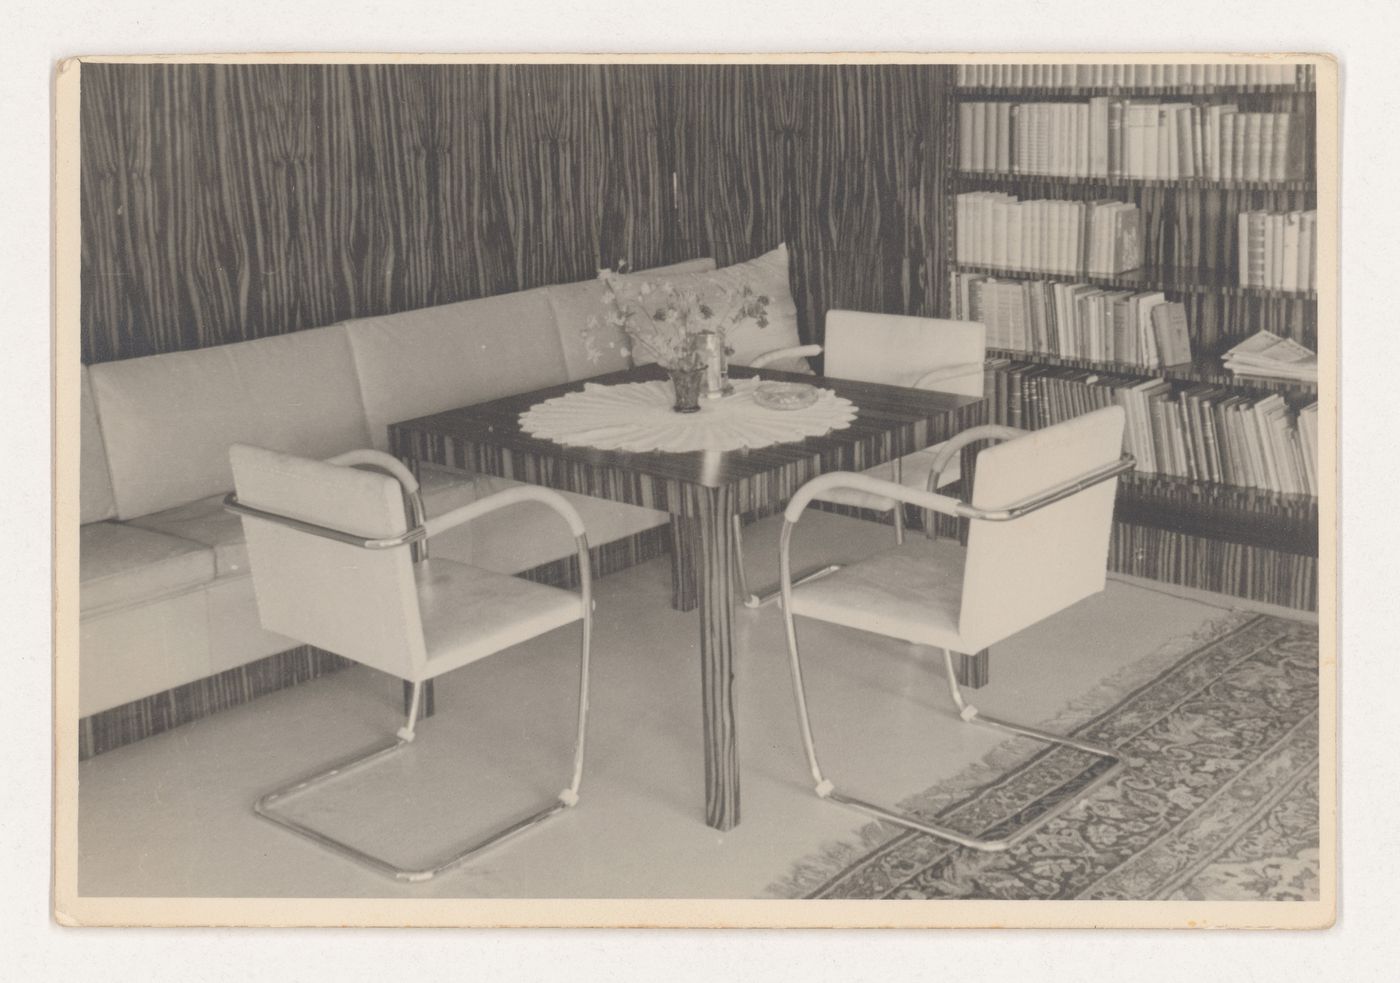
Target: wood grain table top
(890, 415)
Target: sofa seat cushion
(208, 523)
(602, 349)
(416, 363)
(169, 420)
(523, 536)
(124, 564)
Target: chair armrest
(875, 486)
(954, 445)
(946, 372)
(382, 461)
(505, 499)
(796, 352)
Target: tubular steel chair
(1040, 516)
(897, 350)
(337, 564)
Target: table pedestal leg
(712, 530)
(685, 549)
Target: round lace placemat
(637, 416)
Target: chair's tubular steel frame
(759, 599)
(966, 711)
(267, 805)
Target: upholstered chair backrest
(356, 602)
(1018, 572)
(898, 350)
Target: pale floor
(171, 816)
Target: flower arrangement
(670, 323)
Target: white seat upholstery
(469, 613)
(208, 523)
(334, 566)
(121, 564)
(899, 594)
(1040, 518)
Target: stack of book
(1074, 320)
(1278, 250)
(1120, 75)
(1133, 138)
(1267, 356)
(1101, 238)
(1199, 432)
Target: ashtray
(785, 395)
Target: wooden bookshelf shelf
(1030, 93)
(1005, 178)
(1204, 369)
(1168, 278)
(1244, 516)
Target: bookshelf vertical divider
(1227, 538)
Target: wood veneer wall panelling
(843, 163)
(226, 202)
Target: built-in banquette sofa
(169, 624)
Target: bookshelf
(1243, 540)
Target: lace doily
(637, 416)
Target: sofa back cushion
(438, 358)
(95, 500)
(168, 420)
(768, 276)
(604, 349)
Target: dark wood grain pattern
(703, 492)
(843, 163)
(228, 202)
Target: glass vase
(688, 384)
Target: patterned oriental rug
(1218, 799)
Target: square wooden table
(702, 492)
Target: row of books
(1199, 432)
(1102, 238)
(1074, 320)
(1122, 76)
(1278, 250)
(1133, 138)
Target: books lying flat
(1266, 355)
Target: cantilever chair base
(396, 559)
(266, 807)
(1095, 436)
(970, 714)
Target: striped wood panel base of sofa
(160, 712)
